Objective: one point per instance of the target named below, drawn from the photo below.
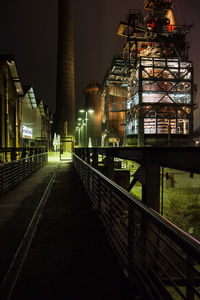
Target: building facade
(36, 121)
(24, 121)
(11, 95)
(114, 96)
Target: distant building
(37, 120)
(46, 124)
(113, 97)
(93, 102)
(31, 118)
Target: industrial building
(104, 127)
(148, 94)
(93, 103)
(24, 121)
(114, 95)
(36, 120)
(11, 95)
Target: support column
(151, 198)
(140, 113)
(95, 159)
(107, 100)
(88, 156)
(141, 129)
(109, 167)
(151, 188)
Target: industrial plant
(148, 94)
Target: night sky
(28, 30)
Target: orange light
(171, 18)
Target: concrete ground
(70, 257)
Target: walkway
(70, 257)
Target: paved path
(16, 209)
(70, 257)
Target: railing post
(31, 152)
(13, 154)
(189, 278)
(95, 159)
(23, 153)
(109, 164)
(88, 156)
(99, 198)
(130, 243)
(30, 160)
(110, 211)
(82, 153)
(87, 179)
(1, 179)
(18, 170)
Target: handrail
(17, 153)
(181, 158)
(15, 171)
(147, 245)
(17, 263)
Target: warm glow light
(171, 18)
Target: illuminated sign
(27, 132)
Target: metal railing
(13, 172)
(16, 153)
(16, 264)
(160, 260)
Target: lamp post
(77, 136)
(86, 113)
(79, 126)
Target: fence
(160, 260)
(15, 171)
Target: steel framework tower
(160, 87)
(65, 103)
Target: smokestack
(65, 103)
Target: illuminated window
(150, 126)
(183, 126)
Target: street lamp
(78, 134)
(87, 112)
(79, 127)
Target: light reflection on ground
(55, 157)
